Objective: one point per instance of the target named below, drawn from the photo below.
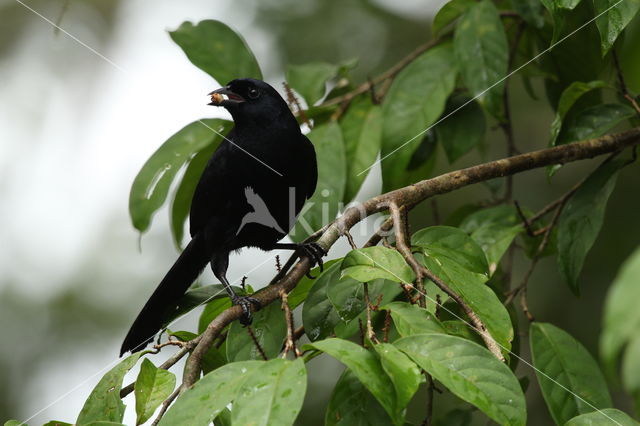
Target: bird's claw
(315, 252)
(245, 303)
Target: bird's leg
(312, 250)
(219, 265)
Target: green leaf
(270, 328)
(481, 48)
(449, 13)
(567, 4)
(581, 220)
(621, 318)
(578, 385)
(365, 366)
(604, 417)
(17, 423)
(153, 386)
(594, 122)
(273, 395)
(494, 229)
(211, 311)
(369, 263)
(202, 403)
(323, 206)
(470, 372)
(51, 423)
(472, 289)
(194, 298)
(631, 369)
(569, 97)
(347, 297)
(301, 291)
(531, 11)
(453, 243)
(461, 329)
(460, 132)
(310, 80)
(414, 102)
(352, 404)
(319, 317)
(403, 372)
(104, 403)
(151, 186)
(558, 16)
(181, 205)
(362, 132)
(411, 319)
(615, 17)
(217, 50)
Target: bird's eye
(253, 93)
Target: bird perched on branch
(249, 195)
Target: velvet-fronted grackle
(249, 195)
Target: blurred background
(76, 126)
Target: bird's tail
(181, 275)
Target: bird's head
(248, 99)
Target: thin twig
(371, 334)
(623, 86)
(288, 315)
(256, 343)
(165, 405)
(403, 245)
(477, 323)
(430, 387)
(386, 327)
(293, 101)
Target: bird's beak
(224, 96)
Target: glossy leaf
(403, 372)
(621, 317)
(567, 4)
(530, 10)
(202, 403)
(196, 297)
(605, 417)
(153, 386)
(473, 290)
(569, 97)
(351, 404)
(273, 395)
(104, 403)
(415, 100)
(362, 132)
(449, 13)
(365, 366)
(322, 207)
(558, 17)
(594, 122)
(347, 297)
(369, 263)
(612, 18)
(411, 319)
(151, 186)
(482, 52)
(301, 291)
(470, 372)
(211, 311)
(578, 385)
(462, 131)
(217, 50)
(269, 327)
(181, 205)
(494, 229)
(454, 243)
(310, 80)
(319, 317)
(581, 219)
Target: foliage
(407, 339)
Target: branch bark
(413, 194)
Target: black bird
(249, 195)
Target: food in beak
(216, 98)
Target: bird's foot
(245, 303)
(315, 252)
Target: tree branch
(409, 195)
